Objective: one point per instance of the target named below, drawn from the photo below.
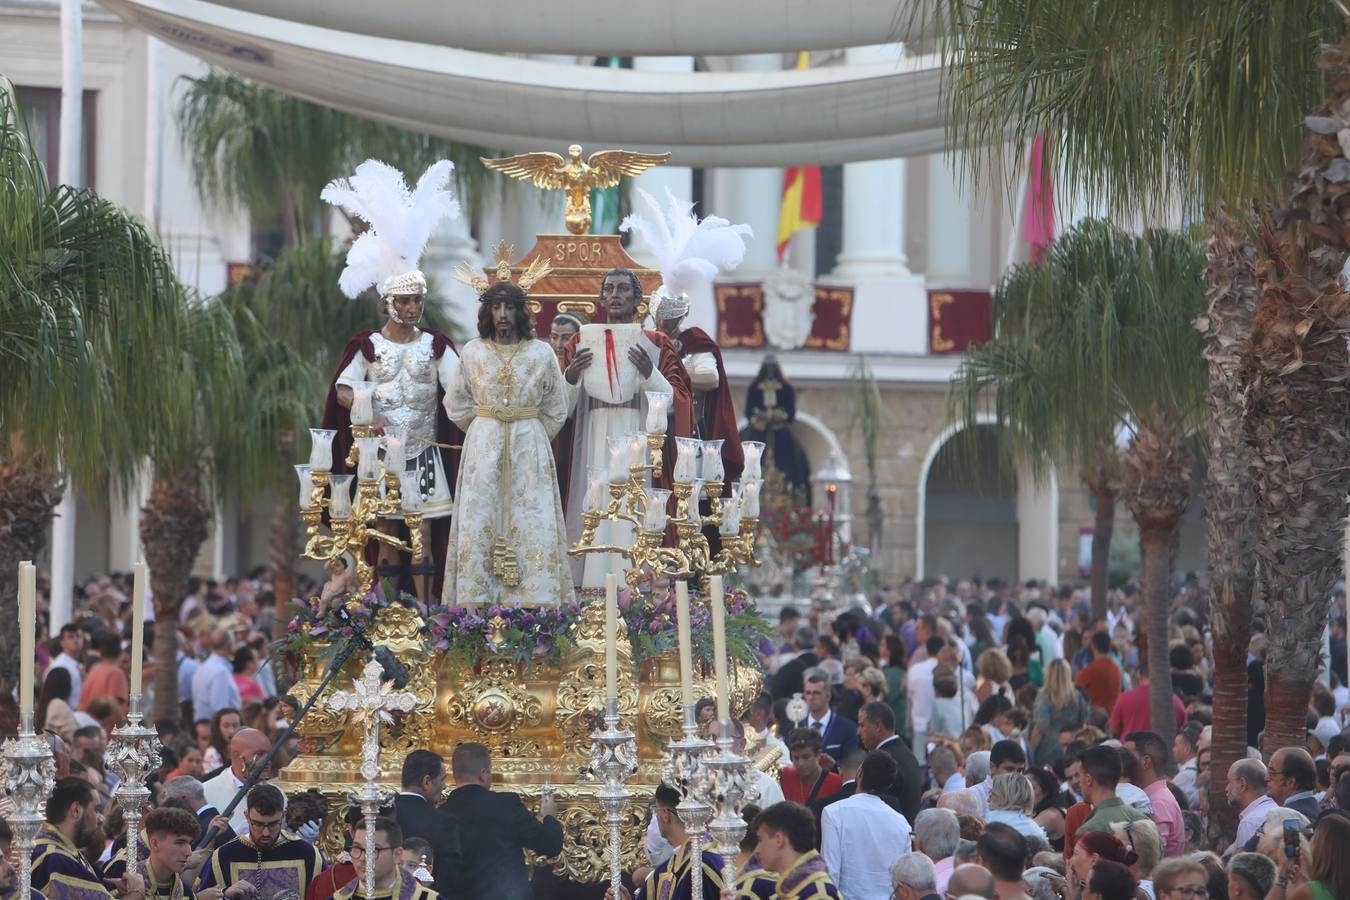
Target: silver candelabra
(728, 785)
(682, 769)
(613, 762)
(133, 753)
(29, 778)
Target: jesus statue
(508, 544)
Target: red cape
(720, 413)
(338, 417)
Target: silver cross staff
(371, 701)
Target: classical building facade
(898, 274)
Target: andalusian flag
(801, 192)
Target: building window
(830, 231)
(42, 111)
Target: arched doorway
(977, 516)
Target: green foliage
(1088, 342)
(271, 154)
(1148, 104)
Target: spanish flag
(801, 203)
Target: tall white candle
(611, 636)
(27, 634)
(686, 650)
(137, 626)
(719, 618)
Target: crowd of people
(940, 741)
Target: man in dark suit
(415, 809)
(788, 681)
(838, 736)
(495, 830)
(876, 728)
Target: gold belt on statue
(506, 413)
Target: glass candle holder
(618, 458)
(637, 449)
(306, 486)
(340, 496)
(363, 407)
(596, 484)
(395, 443)
(658, 408)
(368, 460)
(695, 495)
(712, 469)
(750, 499)
(731, 517)
(686, 458)
(410, 490)
(321, 449)
(754, 455)
(654, 517)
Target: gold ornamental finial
(551, 172)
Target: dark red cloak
(719, 413)
(338, 417)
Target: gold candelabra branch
(354, 523)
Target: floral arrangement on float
(526, 635)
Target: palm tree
(272, 154)
(192, 463)
(92, 320)
(1150, 104)
(1093, 341)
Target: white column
(949, 220)
(62, 572)
(874, 198)
(1037, 527)
(153, 113)
(124, 523)
(70, 171)
(754, 194)
(655, 181)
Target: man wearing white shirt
(861, 836)
(1005, 758)
(1246, 791)
(72, 646)
(213, 686)
(247, 749)
(946, 774)
(1185, 747)
(919, 687)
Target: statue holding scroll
(609, 368)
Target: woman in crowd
(223, 726)
(189, 763)
(994, 671)
(1010, 803)
(1322, 869)
(1058, 707)
(1180, 878)
(893, 667)
(245, 668)
(53, 712)
(1025, 670)
(1143, 839)
(1046, 808)
(1186, 681)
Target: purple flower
(527, 620)
(317, 629)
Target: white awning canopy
(790, 117)
(602, 27)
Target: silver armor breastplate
(406, 395)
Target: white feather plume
(400, 220)
(689, 252)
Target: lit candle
(719, 618)
(410, 490)
(658, 406)
(686, 459)
(340, 500)
(137, 626)
(637, 449)
(304, 475)
(321, 449)
(686, 650)
(654, 515)
(750, 499)
(27, 634)
(367, 458)
(713, 469)
(363, 394)
(754, 453)
(394, 443)
(611, 636)
(618, 459)
(595, 489)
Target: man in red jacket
(805, 781)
